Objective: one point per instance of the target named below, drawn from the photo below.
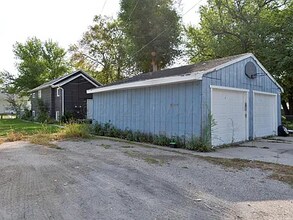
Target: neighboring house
(236, 93)
(65, 95)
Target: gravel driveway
(104, 179)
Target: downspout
(62, 101)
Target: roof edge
(89, 78)
(267, 72)
(181, 78)
(150, 82)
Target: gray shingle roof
(57, 80)
(193, 68)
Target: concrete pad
(274, 150)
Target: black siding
(75, 97)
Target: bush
(75, 131)
(109, 130)
(14, 136)
(26, 114)
(198, 144)
(68, 117)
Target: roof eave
(151, 82)
(38, 88)
(57, 84)
(180, 78)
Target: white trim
(58, 92)
(89, 78)
(150, 82)
(265, 93)
(73, 78)
(39, 94)
(229, 88)
(236, 90)
(276, 108)
(265, 70)
(57, 115)
(62, 101)
(34, 95)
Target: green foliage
(109, 130)
(24, 127)
(287, 123)
(42, 115)
(198, 144)
(102, 51)
(7, 87)
(151, 26)
(258, 26)
(38, 62)
(27, 114)
(68, 117)
(75, 131)
(7, 82)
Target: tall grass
(14, 136)
(194, 143)
(74, 131)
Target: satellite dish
(250, 70)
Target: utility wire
(103, 6)
(133, 10)
(165, 29)
(192, 7)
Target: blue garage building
(237, 93)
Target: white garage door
(264, 114)
(229, 111)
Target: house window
(34, 95)
(34, 113)
(40, 94)
(58, 92)
(57, 115)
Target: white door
(229, 112)
(89, 109)
(264, 114)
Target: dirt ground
(104, 179)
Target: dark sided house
(65, 95)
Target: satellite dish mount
(250, 70)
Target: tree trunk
(285, 108)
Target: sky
(63, 21)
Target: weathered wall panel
(172, 110)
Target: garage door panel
(228, 110)
(264, 114)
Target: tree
(37, 63)
(153, 28)
(102, 51)
(263, 27)
(7, 87)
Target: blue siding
(172, 110)
(178, 109)
(234, 76)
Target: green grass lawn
(25, 127)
